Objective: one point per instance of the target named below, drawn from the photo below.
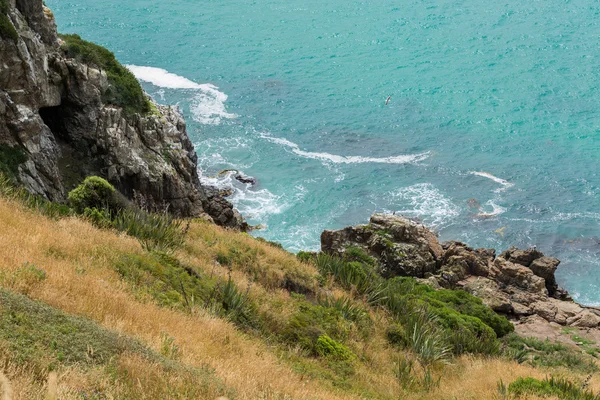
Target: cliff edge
(59, 124)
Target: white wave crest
(506, 184)
(404, 159)
(496, 210)
(253, 204)
(426, 202)
(208, 103)
(162, 78)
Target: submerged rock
(517, 283)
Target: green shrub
(551, 387)
(94, 192)
(354, 253)
(99, 218)
(7, 29)
(460, 301)
(327, 347)
(306, 256)
(11, 157)
(312, 321)
(124, 89)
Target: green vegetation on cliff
(10, 159)
(124, 90)
(7, 29)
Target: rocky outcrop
(518, 283)
(51, 109)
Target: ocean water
(491, 135)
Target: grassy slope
(81, 279)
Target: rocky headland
(56, 126)
(519, 284)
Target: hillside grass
(260, 322)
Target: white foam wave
(404, 159)
(253, 204)
(162, 78)
(426, 202)
(496, 210)
(208, 103)
(506, 184)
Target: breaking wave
(208, 103)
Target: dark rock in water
(519, 283)
(245, 179)
(52, 109)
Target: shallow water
(497, 103)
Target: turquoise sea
(491, 136)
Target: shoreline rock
(518, 283)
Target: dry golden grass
(79, 262)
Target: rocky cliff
(518, 283)
(56, 128)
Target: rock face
(517, 283)
(51, 110)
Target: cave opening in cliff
(54, 117)
(73, 156)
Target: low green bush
(551, 387)
(94, 192)
(7, 29)
(460, 301)
(305, 256)
(354, 253)
(327, 347)
(311, 322)
(11, 157)
(99, 218)
(469, 326)
(124, 89)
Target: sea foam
(505, 184)
(208, 103)
(336, 159)
(424, 201)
